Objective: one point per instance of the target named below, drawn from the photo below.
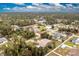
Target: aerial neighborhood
(30, 34)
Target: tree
(16, 47)
(5, 29)
(46, 35)
(28, 34)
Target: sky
(40, 7)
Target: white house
(3, 40)
(63, 46)
(76, 41)
(48, 26)
(15, 27)
(58, 35)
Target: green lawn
(70, 44)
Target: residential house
(58, 36)
(75, 41)
(15, 27)
(3, 40)
(43, 42)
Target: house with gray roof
(2, 40)
(75, 41)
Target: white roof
(48, 26)
(77, 40)
(63, 46)
(2, 39)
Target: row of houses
(65, 26)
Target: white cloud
(6, 8)
(57, 4)
(36, 4)
(15, 8)
(41, 5)
(38, 7)
(52, 7)
(69, 5)
(30, 7)
(56, 7)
